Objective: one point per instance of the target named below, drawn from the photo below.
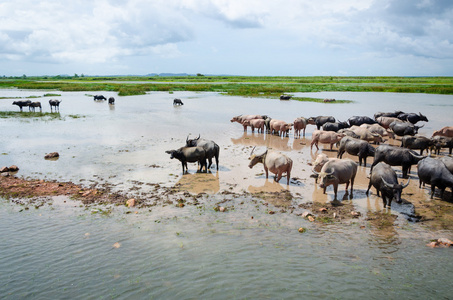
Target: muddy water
(64, 250)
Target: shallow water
(63, 250)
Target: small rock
(323, 209)
(306, 214)
(4, 169)
(311, 219)
(355, 214)
(52, 155)
(130, 203)
(302, 230)
(445, 242)
(221, 209)
(13, 168)
(116, 245)
(5, 174)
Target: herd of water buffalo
(54, 103)
(355, 137)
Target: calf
(255, 123)
(33, 105)
(280, 127)
(300, 124)
(189, 154)
(435, 173)
(439, 142)
(384, 179)
(211, 148)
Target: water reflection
(199, 183)
(266, 140)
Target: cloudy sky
(235, 37)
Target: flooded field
(64, 249)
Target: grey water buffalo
(396, 156)
(378, 129)
(54, 103)
(435, 173)
(448, 162)
(367, 135)
(337, 171)
(404, 128)
(349, 132)
(325, 137)
(274, 162)
(211, 148)
(267, 124)
(32, 106)
(320, 120)
(394, 114)
(445, 131)
(386, 121)
(99, 97)
(255, 123)
(439, 142)
(285, 97)
(280, 127)
(111, 100)
(412, 117)
(356, 147)
(189, 154)
(22, 103)
(299, 125)
(359, 120)
(384, 179)
(177, 102)
(336, 126)
(418, 142)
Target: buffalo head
(396, 189)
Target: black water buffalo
(99, 97)
(54, 103)
(384, 179)
(434, 172)
(419, 142)
(388, 114)
(404, 128)
(396, 156)
(177, 102)
(440, 142)
(329, 126)
(285, 97)
(412, 117)
(320, 120)
(359, 120)
(211, 148)
(357, 147)
(22, 103)
(189, 154)
(32, 106)
(111, 100)
(448, 162)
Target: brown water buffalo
(384, 179)
(299, 124)
(367, 135)
(32, 106)
(337, 171)
(435, 173)
(241, 118)
(319, 162)
(386, 121)
(445, 131)
(378, 129)
(280, 127)
(275, 162)
(255, 123)
(325, 137)
(357, 147)
(189, 154)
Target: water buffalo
(189, 154)
(396, 156)
(386, 121)
(367, 135)
(255, 123)
(99, 97)
(111, 100)
(22, 103)
(325, 137)
(416, 142)
(320, 120)
(378, 129)
(329, 126)
(319, 162)
(445, 131)
(211, 148)
(337, 171)
(435, 173)
(285, 97)
(404, 128)
(439, 142)
(349, 132)
(357, 147)
(300, 124)
(388, 114)
(275, 162)
(241, 118)
(329, 100)
(359, 120)
(412, 117)
(448, 162)
(177, 102)
(384, 179)
(280, 127)
(33, 105)
(56, 103)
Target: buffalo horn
(418, 127)
(315, 172)
(407, 183)
(387, 184)
(252, 151)
(187, 138)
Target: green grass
(28, 115)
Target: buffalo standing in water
(211, 148)
(275, 162)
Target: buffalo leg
(433, 187)
(288, 177)
(335, 190)
(278, 176)
(369, 187)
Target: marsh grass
(29, 115)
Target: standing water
(66, 250)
